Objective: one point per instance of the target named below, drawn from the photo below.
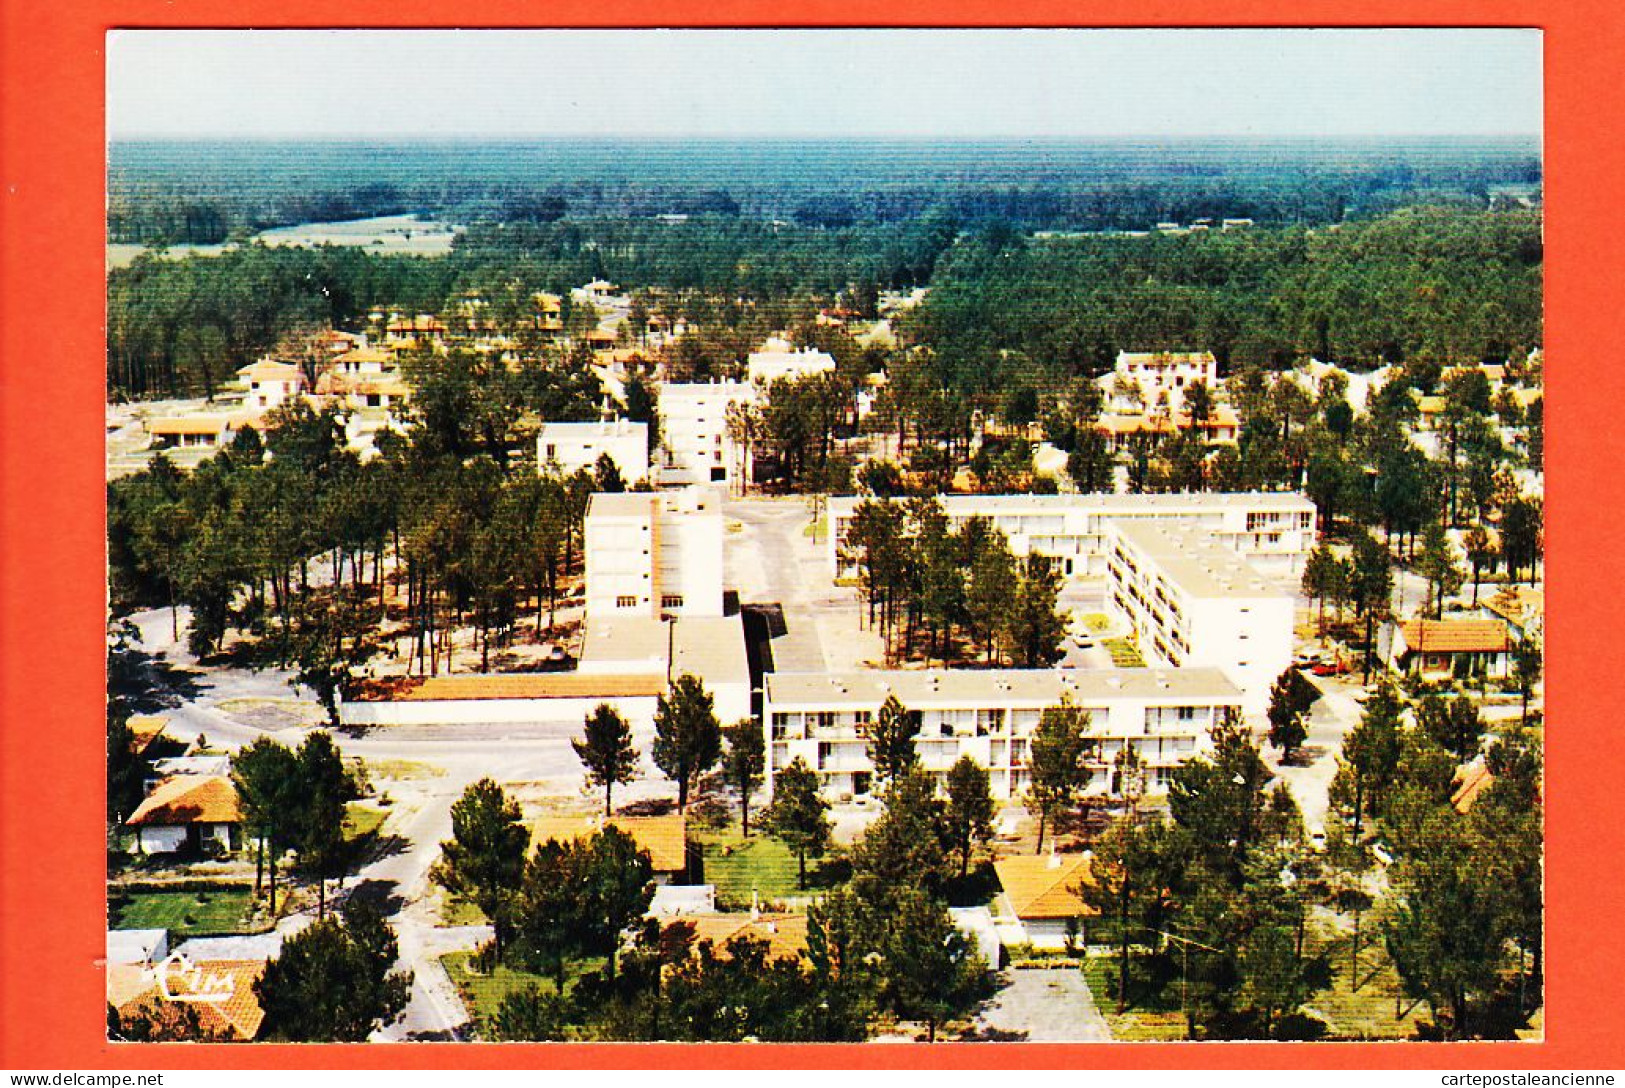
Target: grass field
(1125, 655)
(1156, 1021)
(483, 994)
(402, 770)
(736, 866)
(184, 914)
(362, 820)
(1097, 622)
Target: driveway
(1051, 1005)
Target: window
(626, 602)
(671, 600)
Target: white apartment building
(711, 648)
(1194, 602)
(1273, 530)
(566, 447)
(990, 715)
(777, 361)
(1161, 378)
(695, 442)
(654, 554)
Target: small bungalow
(1040, 892)
(190, 432)
(1521, 608)
(1453, 647)
(665, 838)
(196, 812)
(785, 934)
(220, 992)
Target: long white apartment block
(1195, 602)
(654, 553)
(697, 448)
(990, 715)
(566, 447)
(1274, 530)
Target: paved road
(768, 546)
(1052, 1005)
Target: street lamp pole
(1185, 973)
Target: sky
(823, 83)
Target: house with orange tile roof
(665, 838)
(220, 992)
(270, 384)
(196, 812)
(1040, 891)
(1451, 647)
(785, 934)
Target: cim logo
(181, 980)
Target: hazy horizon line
(769, 137)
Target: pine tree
(484, 860)
(688, 740)
(607, 751)
(798, 816)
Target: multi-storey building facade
(1194, 602)
(1273, 530)
(1161, 378)
(566, 447)
(698, 448)
(654, 554)
(990, 715)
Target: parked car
(1329, 668)
(1306, 661)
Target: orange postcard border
(52, 595)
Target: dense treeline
(1006, 312)
(184, 326)
(168, 192)
(1451, 285)
(718, 254)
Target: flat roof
(920, 689)
(1191, 559)
(624, 504)
(543, 685)
(709, 647)
(1114, 503)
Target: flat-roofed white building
(776, 361)
(696, 445)
(990, 715)
(1194, 602)
(1273, 530)
(709, 647)
(566, 447)
(654, 554)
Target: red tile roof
(1040, 886)
(189, 799)
(1455, 636)
(221, 991)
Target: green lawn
(736, 866)
(184, 914)
(483, 994)
(1369, 1011)
(1155, 1021)
(1097, 622)
(361, 820)
(1125, 655)
(456, 911)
